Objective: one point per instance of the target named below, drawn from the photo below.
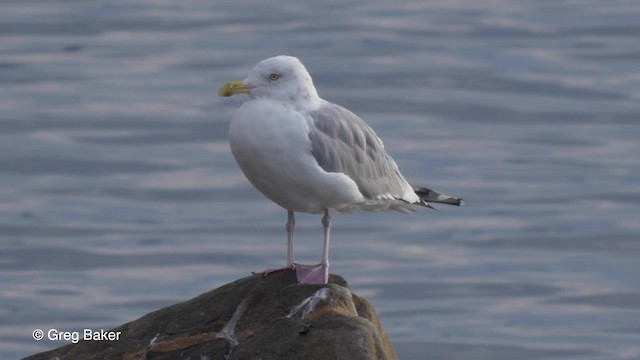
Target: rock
(253, 318)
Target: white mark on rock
(309, 304)
(227, 331)
(150, 346)
(153, 341)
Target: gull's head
(281, 78)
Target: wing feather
(341, 142)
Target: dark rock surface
(255, 317)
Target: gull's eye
(274, 77)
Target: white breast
(271, 145)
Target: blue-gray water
(119, 195)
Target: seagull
(312, 156)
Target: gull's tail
(429, 196)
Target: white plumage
(309, 155)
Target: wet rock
(255, 317)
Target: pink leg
(319, 273)
(291, 227)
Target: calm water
(119, 195)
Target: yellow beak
(233, 88)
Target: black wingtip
(428, 195)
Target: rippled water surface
(119, 195)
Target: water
(119, 195)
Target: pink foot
(312, 274)
(274, 270)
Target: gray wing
(341, 142)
